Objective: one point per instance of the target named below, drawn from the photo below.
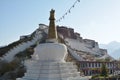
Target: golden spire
(52, 32)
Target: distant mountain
(113, 48)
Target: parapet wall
(69, 33)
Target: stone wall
(67, 32)
(103, 51)
(91, 43)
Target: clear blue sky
(94, 19)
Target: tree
(107, 59)
(104, 70)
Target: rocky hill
(86, 49)
(12, 56)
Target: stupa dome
(50, 52)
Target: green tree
(104, 70)
(107, 59)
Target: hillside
(13, 56)
(86, 48)
(83, 48)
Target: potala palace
(58, 53)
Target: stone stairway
(37, 70)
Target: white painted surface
(50, 52)
(77, 57)
(38, 70)
(52, 40)
(82, 46)
(9, 56)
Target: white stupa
(48, 60)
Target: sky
(98, 20)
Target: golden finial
(52, 32)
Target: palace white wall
(82, 46)
(9, 56)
